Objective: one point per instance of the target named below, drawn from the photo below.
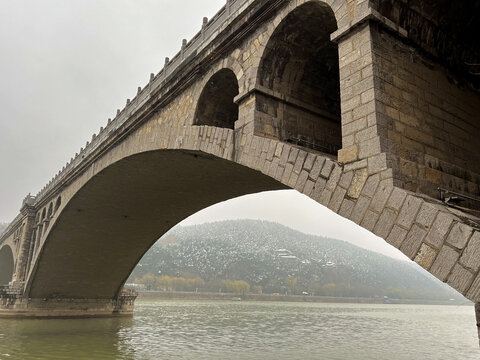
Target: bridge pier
(13, 305)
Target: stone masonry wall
(430, 121)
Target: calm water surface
(251, 330)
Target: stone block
(292, 181)
(346, 179)
(358, 182)
(369, 148)
(279, 173)
(327, 168)
(377, 163)
(317, 167)
(381, 196)
(413, 241)
(471, 255)
(318, 188)
(334, 178)
(426, 256)
(444, 263)
(293, 155)
(309, 185)
(348, 155)
(474, 292)
(360, 208)
(439, 229)
(337, 199)
(460, 278)
(409, 211)
(371, 185)
(385, 223)
(325, 197)
(426, 215)
(285, 154)
(346, 208)
(459, 235)
(302, 155)
(369, 220)
(354, 126)
(310, 160)
(396, 236)
(362, 164)
(396, 198)
(286, 174)
(302, 180)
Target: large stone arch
(7, 265)
(203, 162)
(115, 216)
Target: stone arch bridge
(368, 107)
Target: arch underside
(122, 211)
(6, 265)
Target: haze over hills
(266, 254)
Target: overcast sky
(67, 65)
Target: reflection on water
(249, 330)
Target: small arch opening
(298, 88)
(216, 106)
(58, 203)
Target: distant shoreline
(177, 295)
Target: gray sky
(67, 65)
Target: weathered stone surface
(385, 223)
(444, 263)
(358, 181)
(471, 255)
(474, 291)
(348, 155)
(327, 168)
(459, 235)
(346, 208)
(426, 256)
(396, 236)
(381, 195)
(397, 198)
(439, 229)
(346, 179)
(413, 241)
(360, 209)
(426, 215)
(369, 220)
(409, 211)
(337, 199)
(317, 167)
(460, 278)
(371, 185)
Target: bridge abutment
(14, 305)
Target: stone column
(28, 212)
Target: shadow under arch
(298, 85)
(110, 223)
(7, 265)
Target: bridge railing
(204, 37)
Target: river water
(251, 330)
